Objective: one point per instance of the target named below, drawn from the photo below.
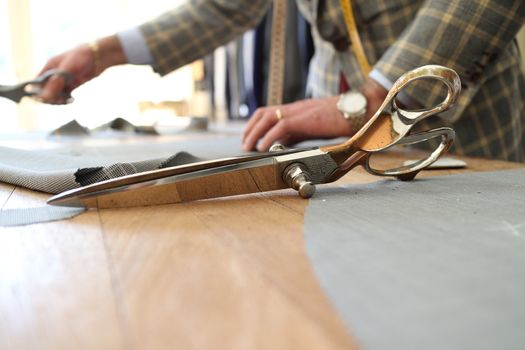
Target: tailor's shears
(32, 88)
(300, 169)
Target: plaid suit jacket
(475, 38)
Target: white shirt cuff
(134, 46)
(403, 97)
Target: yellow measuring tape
(357, 47)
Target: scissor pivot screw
(298, 178)
(277, 147)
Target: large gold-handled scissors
(300, 169)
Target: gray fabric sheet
(74, 165)
(118, 125)
(27, 216)
(53, 171)
(437, 263)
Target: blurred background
(32, 31)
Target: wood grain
(55, 285)
(224, 273)
(230, 272)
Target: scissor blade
(137, 190)
(14, 93)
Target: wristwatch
(352, 104)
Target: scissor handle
(42, 79)
(408, 172)
(400, 120)
(443, 74)
(391, 123)
(33, 87)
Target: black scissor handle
(33, 87)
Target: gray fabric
(120, 125)
(53, 171)
(71, 128)
(75, 165)
(26, 216)
(437, 263)
(88, 176)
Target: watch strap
(355, 122)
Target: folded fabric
(71, 128)
(121, 124)
(87, 176)
(57, 170)
(74, 128)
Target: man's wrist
(375, 95)
(107, 52)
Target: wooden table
(224, 273)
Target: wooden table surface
(215, 274)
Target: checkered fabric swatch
(87, 176)
(75, 165)
(29, 169)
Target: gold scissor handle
(391, 123)
(410, 117)
(408, 172)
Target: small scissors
(300, 169)
(33, 87)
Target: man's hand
(307, 119)
(81, 62)
(302, 120)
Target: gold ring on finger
(278, 114)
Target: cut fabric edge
(37, 215)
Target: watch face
(352, 103)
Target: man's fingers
(52, 89)
(51, 64)
(265, 122)
(257, 115)
(296, 122)
(276, 133)
(288, 131)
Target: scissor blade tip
(65, 201)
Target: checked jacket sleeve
(194, 29)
